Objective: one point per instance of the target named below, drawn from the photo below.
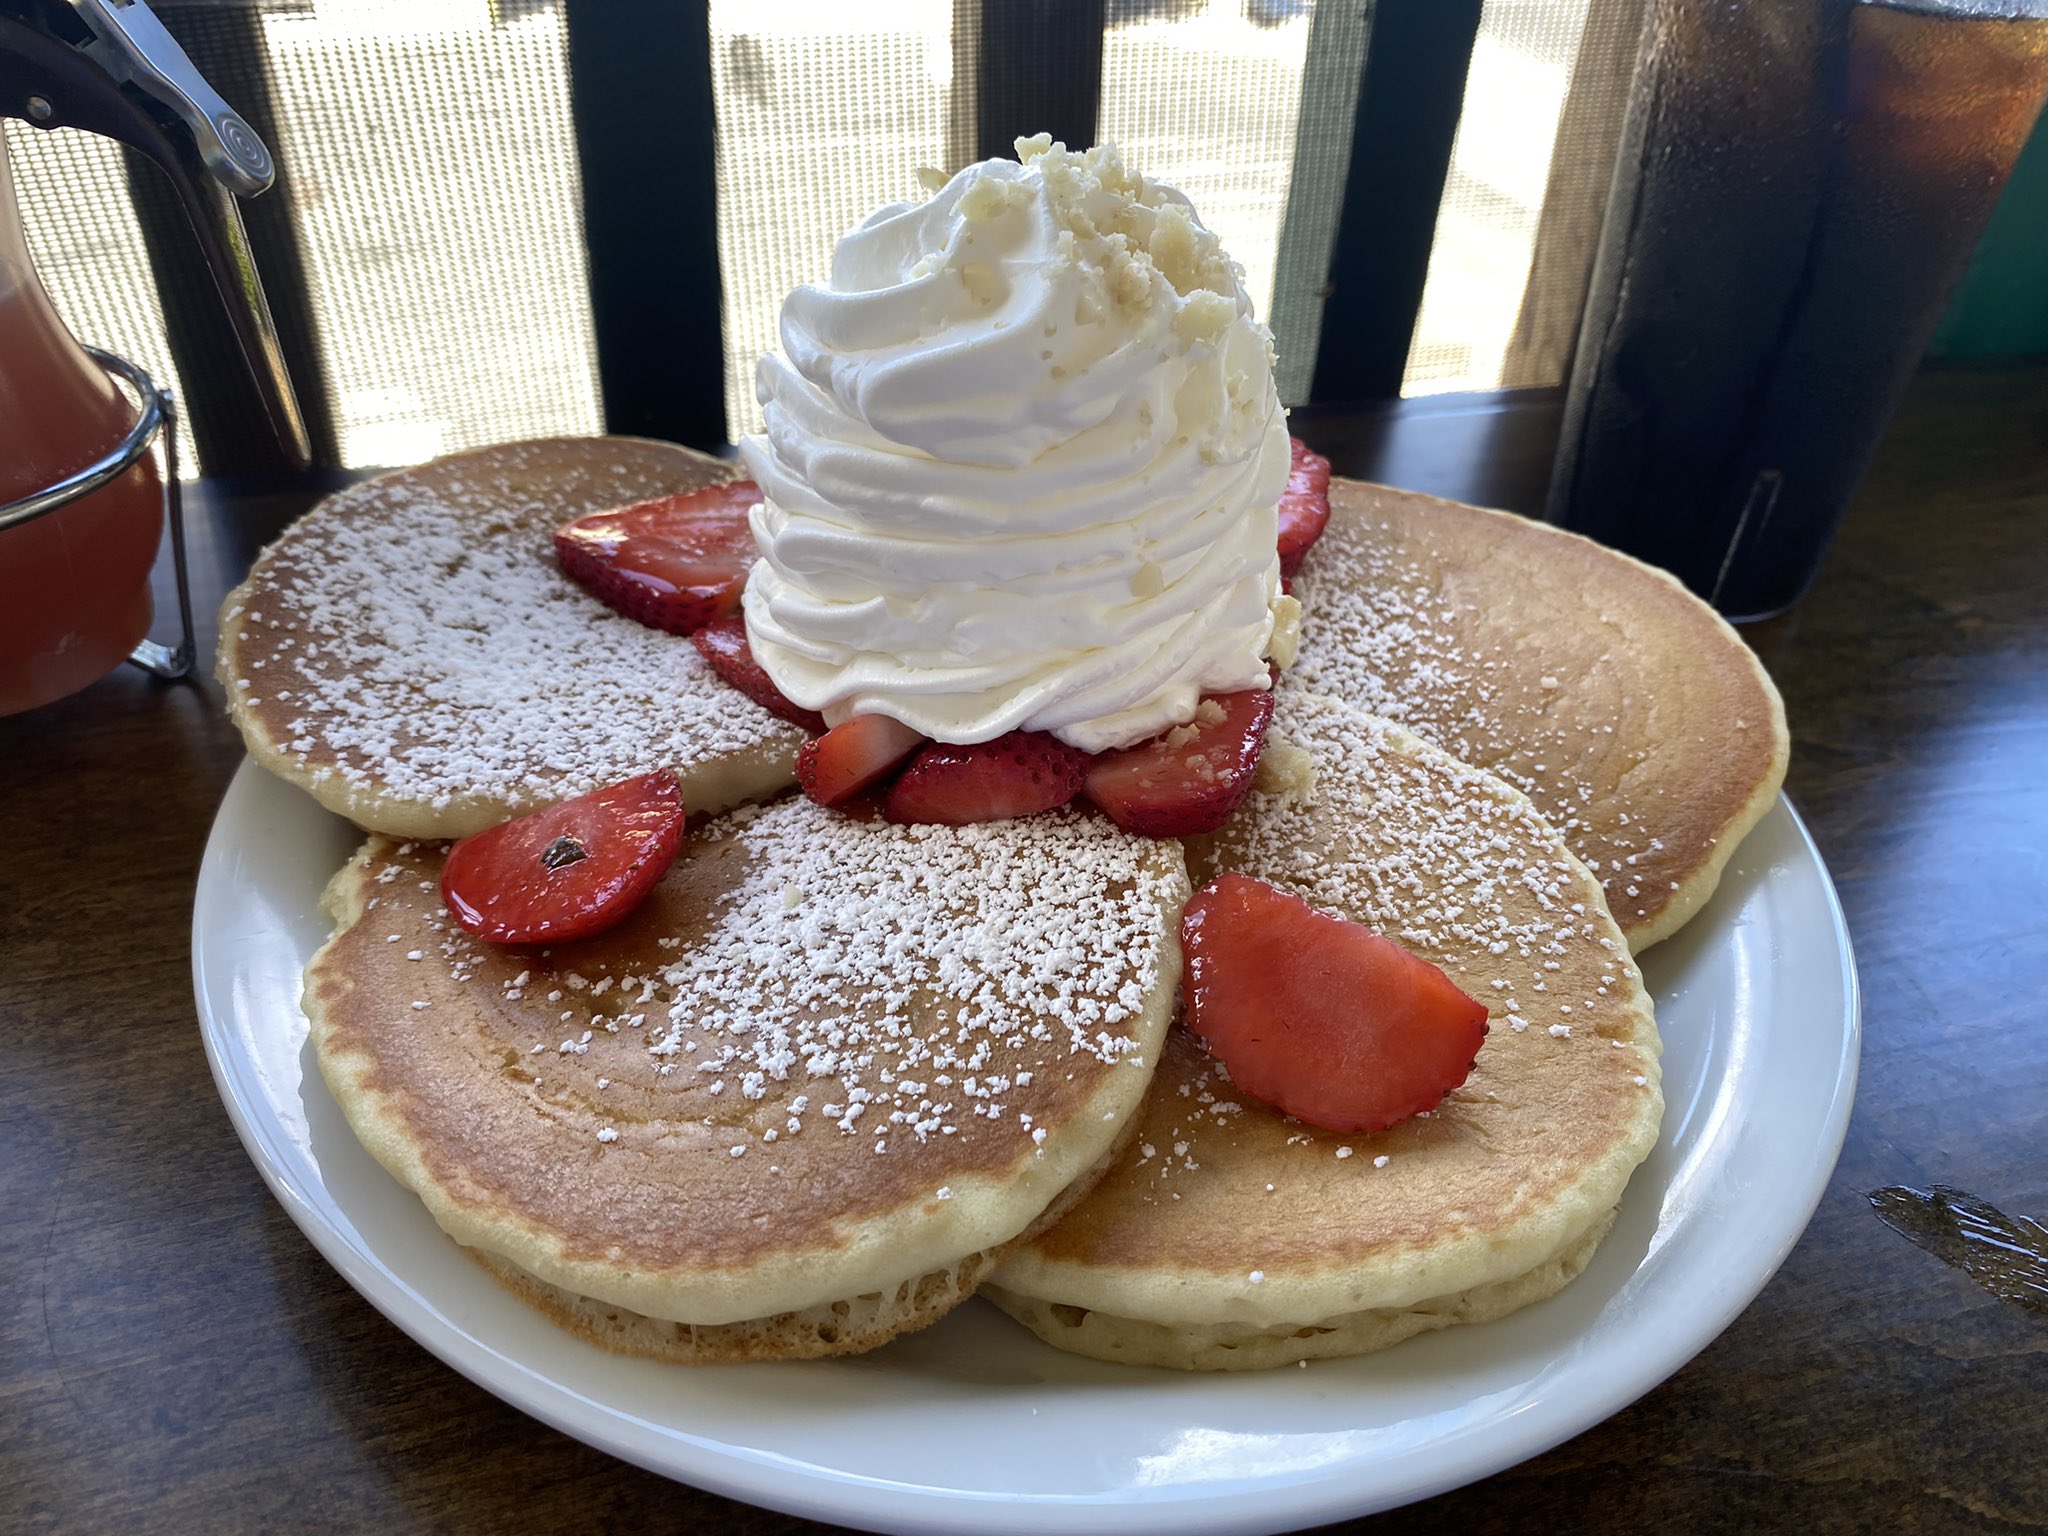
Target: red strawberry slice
(1320, 1017)
(1304, 506)
(569, 871)
(1019, 774)
(854, 754)
(723, 643)
(1189, 779)
(674, 563)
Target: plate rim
(769, 1480)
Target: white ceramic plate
(974, 1422)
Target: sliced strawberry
(1189, 779)
(1320, 1017)
(854, 754)
(723, 643)
(1019, 774)
(1304, 506)
(674, 563)
(569, 871)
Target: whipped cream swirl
(1021, 464)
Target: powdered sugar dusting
(1020, 935)
(1389, 647)
(1450, 863)
(420, 642)
(1391, 628)
(935, 981)
(1440, 859)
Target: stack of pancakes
(1626, 709)
(836, 1074)
(1230, 1236)
(793, 1105)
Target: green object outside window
(2001, 308)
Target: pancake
(1233, 1237)
(847, 1326)
(1638, 722)
(1233, 1347)
(410, 654)
(793, 1102)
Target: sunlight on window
(428, 153)
(1207, 97)
(1493, 197)
(431, 157)
(88, 250)
(826, 111)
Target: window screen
(1527, 187)
(1208, 99)
(428, 151)
(88, 247)
(825, 112)
(432, 207)
(427, 156)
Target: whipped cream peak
(1021, 460)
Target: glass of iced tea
(1800, 186)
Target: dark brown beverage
(1800, 185)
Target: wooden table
(175, 1357)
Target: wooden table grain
(175, 1357)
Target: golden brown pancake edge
(1475, 627)
(684, 1234)
(1229, 1216)
(358, 719)
(1244, 1347)
(845, 1326)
